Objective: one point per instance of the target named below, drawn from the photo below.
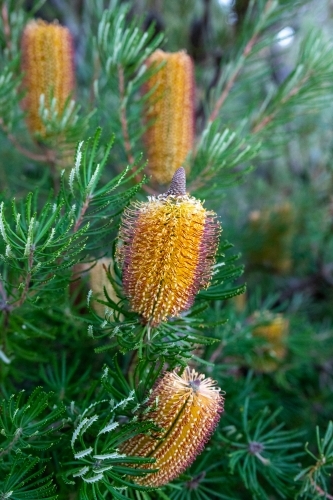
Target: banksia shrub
(167, 251)
(274, 329)
(48, 67)
(169, 113)
(188, 410)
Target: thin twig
(6, 27)
(45, 158)
(124, 127)
(267, 119)
(320, 490)
(246, 52)
(123, 119)
(24, 295)
(83, 211)
(12, 443)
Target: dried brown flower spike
(167, 252)
(188, 410)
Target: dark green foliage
(74, 381)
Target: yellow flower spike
(98, 281)
(274, 331)
(167, 252)
(169, 114)
(188, 410)
(269, 238)
(48, 67)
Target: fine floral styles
(188, 410)
(167, 252)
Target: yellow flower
(269, 238)
(188, 410)
(274, 331)
(48, 67)
(169, 113)
(167, 252)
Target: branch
(83, 211)
(245, 54)
(24, 295)
(267, 119)
(123, 119)
(45, 158)
(320, 490)
(124, 127)
(6, 26)
(17, 436)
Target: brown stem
(123, 119)
(246, 52)
(12, 443)
(6, 27)
(24, 295)
(124, 127)
(26, 152)
(201, 180)
(83, 211)
(320, 490)
(267, 119)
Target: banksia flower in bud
(274, 331)
(48, 67)
(188, 410)
(98, 281)
(167, 252)
(169, 113)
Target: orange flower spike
(167, 252)
(169, 113)
(48, 67)
(188, 411)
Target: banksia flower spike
(167, 251)
(169, 114)
(188, 410)
(269, 238)
(48, 67)
(274, 331)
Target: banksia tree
(48, 69)
(167, 249)
(97, 397)
(169, 113)
(187, 408)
